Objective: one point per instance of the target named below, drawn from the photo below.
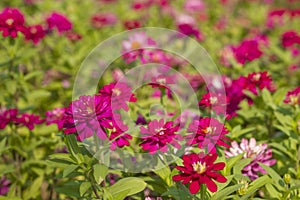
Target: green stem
(203, 192)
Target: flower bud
(287, 178)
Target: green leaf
(126, 187)
(231, 162)
(164, 172)
(2, 145)
(180, 193)
(256, 184)
(279, 183)
(71, 189)
(272, 191)
(225, 192)
(84, 187)
(33, 191)
(100, 172)
(68, 170)
(237, 169)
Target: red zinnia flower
(214, 101)
(293, 97)
(11, 22)
(132, 24)
(29, 120)
(103, 19)
(158, 135)
(87, 116)
(60, 22)
(34, 33)
(200, 169)
(206, 133)
(290, 38)
(258, 80)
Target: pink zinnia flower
(215, 101)
(206, 133)
(7, 116)
(87, 116)
(55, 116)
(247, 51)
(133, 47)
(60, 22)
(101, 20)
(158, 135)
(4, 186)
(194, 5)
(187, 26)
(200, 169)
(293, 97)
(29, 120)
(34, 33)
(119, 94)
(259, 153)
(132, 24)
(73, 36)
(259, 80)
(11, 22)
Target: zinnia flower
(158, 135)
(29, 120)
(34, 33)
(60, 22)
(207, 133)
(247, 51)
(87, 116)
(259, 153)
(55, 116)
(200, 169)
(4, 186)
(11, 22)
(215, 101)
(7, 116)
(293, 97)
(290, 38)
(101, 20)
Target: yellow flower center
(161, 81)
(160, 131)
(294, 99)
(213, 100)
(135, 45)
(33, 30)
(116, 92)
(209, 130)
(9, 21)
(199, 167)
(256, 77)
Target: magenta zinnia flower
(4, 186)
(88, 116)
(55, 116)
(7, 116)
(158, 135)
(34, 33)
(207, 133)
(11, 22)
(293, 97)
(247, 51)
(259, 153)
(29, 120)
(290, 38)
(119, 94)
(215, 101)
(101, 20)
(60, 22)
(200, 169)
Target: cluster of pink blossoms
(12, 22)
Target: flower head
(7, 116)
(158, 135)
(55, 116)
(59, 22)
(259, 153)
(293, 97)
(34, 33)
(200, 169)
(29, 120)
(290, 38)
(87, 116)
(11, 22)
(206, 133)
(4, 186)
(101, 20)
(247, 51)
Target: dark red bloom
(119, 94)
(258, 80)
(29, 120)
(190, 30)
(87, 116)
(55, 116)
(103, 19)
(215, 101)
(206, 133)
(293, 97)
(132, 24)
(34, 33)
(11, 22)
(73, 36)
(200, 169)
(7, 116)
(247, 51)
(290, 38)
(59, 22)
(158, 135)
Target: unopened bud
(287, 178)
